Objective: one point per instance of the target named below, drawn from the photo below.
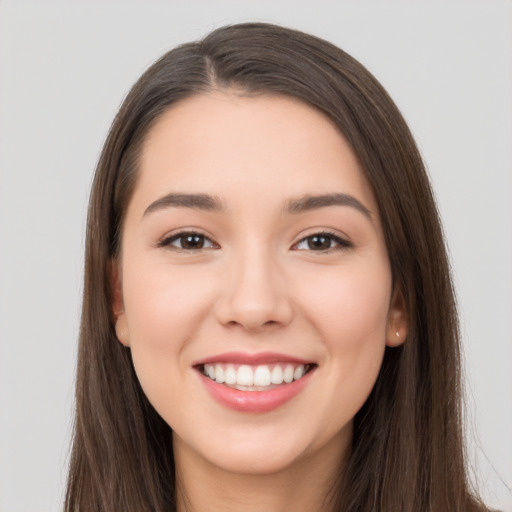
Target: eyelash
(167, 241)
(340, 243)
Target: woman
(268, 318)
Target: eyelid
(166, 240)
(342, 241)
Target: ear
(120, 321)
(398, 320)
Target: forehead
(244, 147)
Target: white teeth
(277, 375)
(245, 376)
(252, 377)
(262, 376)
(298, 372)
(219, 374)
(230, 375)
(288, 373)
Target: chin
(250, 450)
(253, 460)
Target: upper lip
(251, 359)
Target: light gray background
(65, 67)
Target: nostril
(254, 313)
(254, 324)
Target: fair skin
(260, 273)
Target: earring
(397, 334)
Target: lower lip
(255, 401)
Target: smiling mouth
(263, 377)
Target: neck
(302, 487)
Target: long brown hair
(407, 452)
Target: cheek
(163, 308)
(349, 309)
(350, 304)
(162, 302)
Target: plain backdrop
(64, 69)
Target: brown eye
(322, 242)
(187, 242)
(319, 242)
(191, 241)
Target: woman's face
(252, 251)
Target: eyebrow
(312, 202)
(211, 203)
(178, 200)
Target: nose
(254, 294)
